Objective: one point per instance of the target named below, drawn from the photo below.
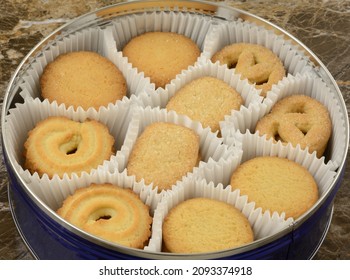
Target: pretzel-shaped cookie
(254, 62)
(298, 119)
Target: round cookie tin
(50, 237)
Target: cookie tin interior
(102, 18)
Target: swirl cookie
(163, 154)
(276, 184)
(58, 145)
(254, 62)
(206, 99)
(202, 225)
(109, 212)
(84, 79)
(161, 55)
(298, 119)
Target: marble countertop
(323, 26)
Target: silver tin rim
(220, 10)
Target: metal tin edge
(217, 10)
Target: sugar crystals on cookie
(276, 184)
(201, 225)
(163, 154)
(84, 79)
(161, 55)
(206, 99)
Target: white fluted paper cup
(254, 145)
(263, 225)
(213, 152)
(92, 39)
(293, 59)
(24, 117)
(161, 96)
(193, 26)
(293, 85)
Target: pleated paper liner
(210, 35)
(24, 117)
(194, 26)
(239, 31)
(67, 186)
(161, 96)
(214, 154)
(91, 39)
(127, 118)
(263, 224)
(291, 85)
(254, 145)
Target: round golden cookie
(109, 212)
(254, 62)
(84, 79)
(206, 99)
(163, 154)
(161, 55)
(58, 145)
(298, 119)
(201, 225)
(276, 184)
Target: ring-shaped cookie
(254, 62)
(109, 212)
(58, 145)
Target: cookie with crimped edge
(298, 119)
(109, 212)
(84, 79)
(161, 55)
(163, 154)
(59, 145)
(206, 99)
(254, 62)
(276, 184)
(201, 225)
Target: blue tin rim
(279, 249)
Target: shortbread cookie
(84, 79)
(109, 212)
(276, 184)
(206, 99)
(298, 119)
(58, 145)
(201, 225)
(254, 62)
(161, 55)
(163, 154)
